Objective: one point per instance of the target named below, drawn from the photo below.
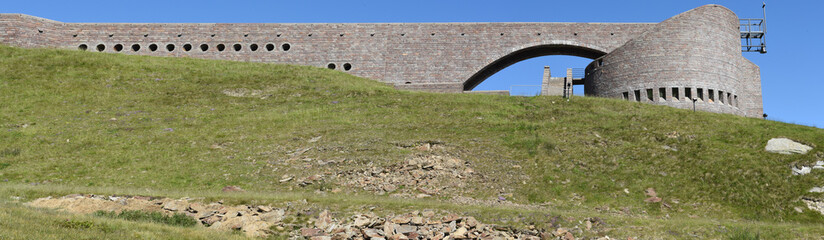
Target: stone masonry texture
(696, 49)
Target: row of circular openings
(341, 35)
(333, 66)
(188, 47)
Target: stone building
(695, 54)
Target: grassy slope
(73, 119)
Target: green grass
(178, 219)
(20, 222)
(111, 122)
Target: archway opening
(525, 78)
(530, 66)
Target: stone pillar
(552, 86)
(545, 82)
(568, 83)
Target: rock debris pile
(420, 176)
(299, 223)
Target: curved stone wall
(694, 55)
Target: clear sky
(792, 86)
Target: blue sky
(792, 86)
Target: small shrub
(10, 152)
(4, 165)
(75, 224)
(744, 235)
(177, 219)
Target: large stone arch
(566, 48)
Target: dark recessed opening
(688, 93)
(135, 47)
(285, 47)
(576, 34)
(611, 34)
(342, 34)
(180, 35)
(502, 34)
(637, 95)
(403, 34)
(662, 93)
(278, 35)
(347, 66)
(407, 83)
(310, 34)
(675, 94)
(331, 66)
(539, 34)
(221, 47)
(432, 34)
(170, 47)
(372, 35)
(153, 47)
(118, 47)
(237, 47)
(187, 47)
(463, 34)
(39, 31)
(145, 35)
(626, 95)
(101, 47)
(111, 35)
(212, 35)
(649, 94)
(74, 35)
(253, 47)
(246, 35)
(270, 47)
(83, 47)
(204, 47)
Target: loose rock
(786, 146)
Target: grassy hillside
(125, 124)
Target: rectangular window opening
(736, 100)
(688, 93)
(700, 93)
(662, 93)
(637, 95)
(649, 94)
(711, 95)
(675, 94)
(721, 97)
(626, 96)
(729, 99)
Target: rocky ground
(297, 221)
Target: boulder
(786, 146)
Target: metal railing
(753, 33)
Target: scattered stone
(803, 170)
(401, 219)
(232, 189)
(315, 139)
(256, 220)
(786, 146)
(460, 233)
(404, 229)
(417, 221)
(817, 190)
(814, 204)
(310, 232)
(176, 205)
(286, 178)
